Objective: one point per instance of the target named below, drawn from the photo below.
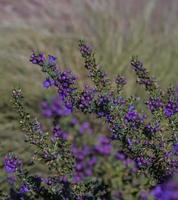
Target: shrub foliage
(133, 157)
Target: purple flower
(157, 192)
(144, 195)
(170, 109)
(120, 82)
(74, 121)
(133, 118)
(176, 148)
(85, 128)
(102, 105)
(48, 83)
(37, 58)
(166, 191)
(24, 189)
(131, 115)
(154, 104)
(58, 133)
(143, 75)
(85, 162)
(85, 50)
(142, 162)
(104, 145)
(95, 73)
(86, 99)
(52, 60)
(12, 163)
(120, 156)
(65, 83)
(55, 108)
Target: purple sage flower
(48, 83)
(37, 58)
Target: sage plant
(136, 155)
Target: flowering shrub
(135, 157)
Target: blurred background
(117, 29)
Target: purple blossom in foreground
(24, 189)
(121, 156)
(166, 191)
(12, 163)
(55, 108)
(85, 128)
(104, 145)
(144, 195)
(129, 163)
(85, 162)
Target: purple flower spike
(104, 145)
(52, 60)
(55, 108)
(48, 83)
(37, 58)
(24, 189)
(85, 128)
(176, 148)
(11, 163)
(59, 134)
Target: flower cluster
(171, 108)
(55, 108)
(154, 104)
(143, 75)
(120, 82)
(166, 191)
(37, 58)
(85, 161)
(104, 145)
(12, 163)
(98, 144)
(86, 99)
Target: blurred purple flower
(12, 163)
(48, 83)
